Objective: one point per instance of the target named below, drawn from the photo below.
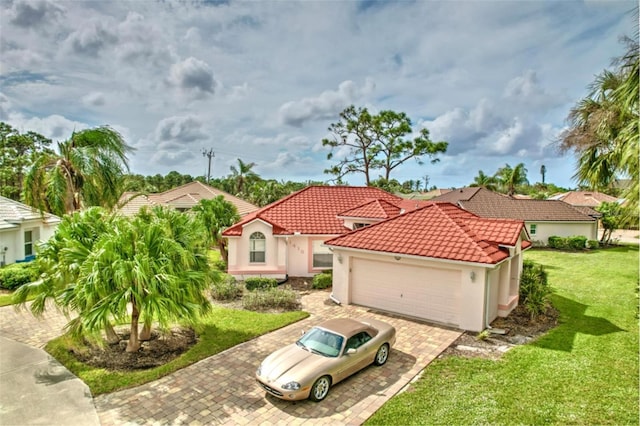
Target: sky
(263, 81)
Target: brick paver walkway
(222, 390)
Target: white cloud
(94, 99)
(193, 76)
(33, 13)
(180, 129)
(327, 105)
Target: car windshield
(322, 342)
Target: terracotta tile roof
(182, 197)
(585, 198)
(440, 231)
(373, 209)
(485, 203)
(314, 210)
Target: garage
(428, 293)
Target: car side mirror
(351, 351)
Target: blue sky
(262, 81)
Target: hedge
(14, 276)
(575, 242)
(260, 283)
(322, 281)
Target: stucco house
(287, 236)
(586, 201)
(181, 198)
(543, 218)
(438, 262)
(21, 227)
(432, 261)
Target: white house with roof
(21, 227)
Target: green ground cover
(585, 371)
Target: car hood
(291, 363)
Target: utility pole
(210, 154)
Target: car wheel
(382, 355)
(320, 389)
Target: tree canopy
(604, 128)
(368, 143)
(87, 170)
(18, 152)
(152, 268)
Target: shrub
(271, 298)
(260, 283)
(534, 288)
(322, 281)
(220, 265)
(14, 276)
(593, 244)
(557, 242)
(226, 289)
(577, 242)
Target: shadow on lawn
(562, 338)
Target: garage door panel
(427, 293)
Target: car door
(353, 362)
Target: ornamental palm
(485, 181)
(87, 171)
(216, 215)
(242, 174)
(512, 177)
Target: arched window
(257, 246)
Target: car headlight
(291, 386)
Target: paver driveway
(222, 388)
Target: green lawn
(219, 330)
(585, 371)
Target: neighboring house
(21, 227)
(543, 218)
(181, 198)
(286, 237)
(439, 263)
(586, 201)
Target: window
(357, 340)
(28, 243)
(257, 247)
(322, 256)
(533, 229)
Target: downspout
(487, 298)
(286, 262)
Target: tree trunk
(112, 337)
(223, 251)
(145, 335)
(134, 342)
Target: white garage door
(428, 293)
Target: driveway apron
(222, 390)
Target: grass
(6, 299)
(585, 371)
(220, 330)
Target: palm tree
(543, 171)
(510, 178)
(604, 129)
(87, 170)
(485, 181)
(216, 215)
(242, 173)
(154, 264)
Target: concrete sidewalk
(35, 389)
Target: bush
(322, 281)
(577, 242)
(220, 265)
(260, 283)
(271, 298)
(557, 242)
(227, 289)
(14, 276)
(534, 288)
(593, 244)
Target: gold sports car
(323, 356)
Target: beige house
(21, 227)
(543, 218)
(431, 261)
(182, 198)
